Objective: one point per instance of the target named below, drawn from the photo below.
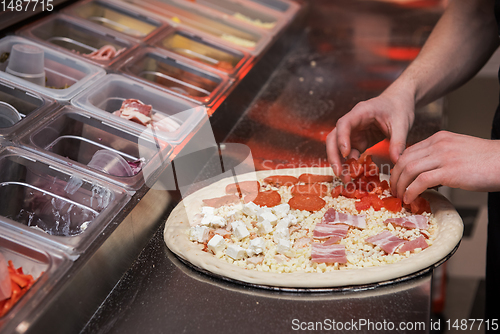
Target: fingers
(420, 163)
(424, 181)
(397, 143)
(333, 152)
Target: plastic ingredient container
(113, 16)
(46, 264)
(113, 89)
(179, 77)
(79, 38)
(54, 204)
(66, 76)
(29, 105)
(73, 136)
(200, 49)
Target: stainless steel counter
(162, 295)
(349, 51)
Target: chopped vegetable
(20, 284)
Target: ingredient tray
(29, 105)
(66, 76)
(52, 203)
(86, 41)
(200, 49)
(73, 137)
(111, 15)
(227, 31)
(178, 76)
(172, 118)
(47, 265)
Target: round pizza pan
(448, 236)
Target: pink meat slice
(302, 242)
(137, 106)
(332, 240)
(5, 284)
(387, 241)
(415, 221)
(334, 217)
(413, 244)
(322, 253)
(324, 231)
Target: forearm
(461, 43)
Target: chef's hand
(389, 115)
(448, 159)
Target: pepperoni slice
(268, 198)
(337, 191)
(281, 180)
(310, 189)
(306, 202)
(243, 187)
(314, 178)
(220, 201)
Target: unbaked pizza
(305, 228)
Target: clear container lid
(31, 106)
(72, 137)
(134, 24)
(47, 265)
(111, 92)
(79, 38)
(187, 43)
(54, 204)
(178, 76)
(66, 76)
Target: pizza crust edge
(449, 234)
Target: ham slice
(334, 217)
(255, 260)
(5, 284)
(387, 241)
(332, 240)
(322, 253)
(106, 52)
(222, 232)
(415, 221)
(302, 242)
(413, 244)
(325, 231)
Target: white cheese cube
(269, 217)
(281, 210)
(281, 233)
(214, 221)
(250, 209)
(265, 227)
(293, 219)
(235, 252)
(240, 230)
(284, 223)
(218, 222)
(207, 210)
(283, 245)
(216, 244)
(257, 246)
(198, 233)
(264, 209)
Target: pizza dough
(450, 230)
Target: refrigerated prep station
(107, 108)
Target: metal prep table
(348, 52)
